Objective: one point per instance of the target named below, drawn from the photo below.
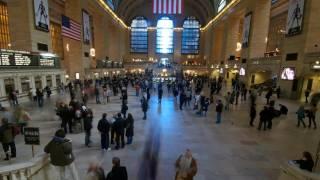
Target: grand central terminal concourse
(159, 90)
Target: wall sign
(31, 136)
(41, 14)
(9, 58)
(295, 17)
(246, 30)
(86, 27)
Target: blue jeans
(104, 141)
(218, 117)
(129, 140)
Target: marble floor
(229, 151)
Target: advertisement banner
(41, 14)
(295, 17)
(86, 27)
(246, 30)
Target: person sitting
(118, 172)
(306, 163)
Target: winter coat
(129, 127)
(192, 173)
(300, 113)
(119, 125)
(118, 173)
(103, 126)
(87, 123)
(6, 133)
(253, 112)
(60, 150)
(219, 107)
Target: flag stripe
(71, 29)
(168, 6)
(179, 7)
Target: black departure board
(9, 58)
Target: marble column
(2, 88)
(43, 81)
(54, 81)
(17, 84)
(32, 82)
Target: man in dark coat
(118, 172)
(61, 155)
(129, 128)
(253, 113)
(263, 118)
(119, 126)
(7, 139)
(144, 106)
(104, 128)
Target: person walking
(278, 92)
(61, 155)
(124, 109)
(263, 118)
(129, 128)
(39, 93)
(227, 101)
(104, 128)
(117, 172)
(160, 93)
(97, 94)
(307, 94)
(253, 113)
(219, 108)
(87, 126)
(7, 135)
(268, 95)
(144, 106)
(186, 166)
(301, 115)
(119, 126)
(182, 99)
(312, 116)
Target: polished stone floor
(229, 151)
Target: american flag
(167, 6)
(70, 28)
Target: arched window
(221, 4)
(164, 36)
(190, 36)
(139, 35)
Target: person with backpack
(61, 155)
(118, 172)
(104, 128)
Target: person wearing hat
(61, 155)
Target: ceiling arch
(203, 10)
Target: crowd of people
(189, 93)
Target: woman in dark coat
(87, 123)
(306, 163)
(129, 128)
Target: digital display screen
(23, 58)
(288, 73)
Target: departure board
(23, 58)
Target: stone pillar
(17, 84)
(177, 39)
(32, 82)
(2, 88)
(232, 32)
(54, 81)
(259, 29)
(43, 81)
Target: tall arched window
(139, 35)
(190, 36)
(164, 36)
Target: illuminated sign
(242, 72)
(10, 58)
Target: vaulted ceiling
(203, 10)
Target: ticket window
(38, 82)
(9, 85)
(25, 84)
(49, 81)
(58, 80)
